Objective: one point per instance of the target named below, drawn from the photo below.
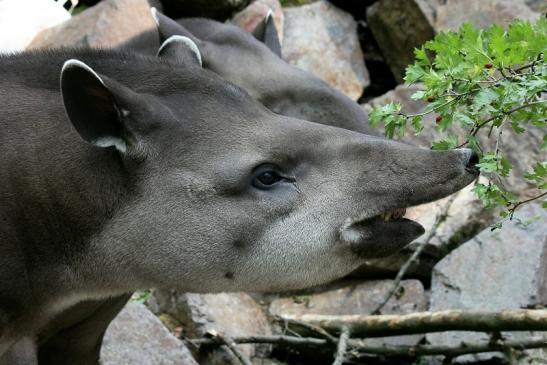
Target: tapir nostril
(473, 160)
(470, 159)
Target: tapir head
(225, 195)
(253, 62)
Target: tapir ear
(181, 49)
(91, 106)
(167, 27)
(266, 32)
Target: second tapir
(254, 63)
(141, 172)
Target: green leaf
(414, 73)
(449, 143)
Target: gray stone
(504, 269)
(399, 26)
(107, 24)
(539, 6)
(231, 314)
(253, 14)
(217, 9)
(451, 14)
(137, 337)
(322, 39)
(356, 297)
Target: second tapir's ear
(92, 106)
(266, 32)
(181, 49)
(167, 27)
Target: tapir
(254, 62)
(122, 171)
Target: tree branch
(424, 322)
(387, 350)
(342, 347)
(451, 351)
(517, 108)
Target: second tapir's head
(253, 62)
(225, 195)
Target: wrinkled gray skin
(254, 63)
(145, 172)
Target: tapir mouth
(380, 235)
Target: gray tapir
(120, 171)
(253, 62)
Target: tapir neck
(64, 195)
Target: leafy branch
(474, 80)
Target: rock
(504, 269)
(107, 24)
(20, 21)
(451, 14)
(322, 39)
(253, 14)
(356, 297)
(136, 336)
(539, 6)
(232, 314)
(399, 26)
(216, 9)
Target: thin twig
(397, 281)
(310, 327)
(517, 108)
(276, 339)
(231, 344)
(342, 347)
(514, 207)
(429, 111)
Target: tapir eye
(266, 177)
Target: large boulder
(216, 9)
(504, 269)
(255, 13)
(136, 337)
(107, 24)
(399, 26)
(322, 39)
(356, 297)
(230, 314)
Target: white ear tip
(154, 13)
(74, 63)
(269, 15)
(186, 41)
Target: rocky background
(360, 47)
